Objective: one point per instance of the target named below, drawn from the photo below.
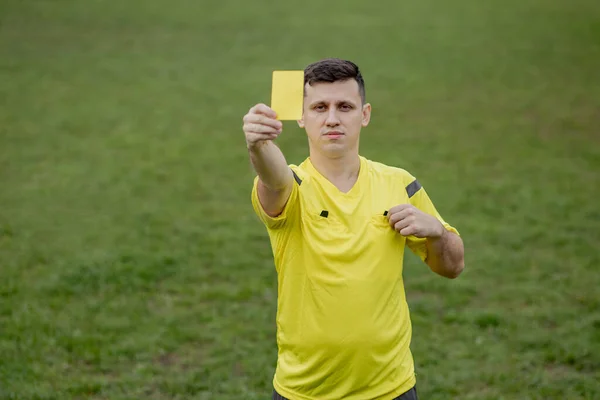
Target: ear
(301, 120)
(366, 115)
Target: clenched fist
(408, 220)
(260, 125)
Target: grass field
(132, 265)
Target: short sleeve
(289, 209)
(420, 199)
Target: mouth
(334, 134)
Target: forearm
(270, 165)
(445, 254)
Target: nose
(332, 118)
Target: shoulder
(394, 177)
(301, 171)
(391, 172)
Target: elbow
(456, 263)
(455, 272)
(450, 271)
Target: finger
(398, 226)
(264, 120)
(264, 110)
(258, 137)
(408, 231)
(259, 128)
(400, 215)
(399, 208)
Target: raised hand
(260, 124)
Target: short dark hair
(333, 70)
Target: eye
(346, 107)
(320, 107)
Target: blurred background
(133, 266)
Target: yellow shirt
(343, 325)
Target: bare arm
(275, 177)
(445, 254)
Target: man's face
(333, 116)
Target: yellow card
(287, 94)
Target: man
(338, 225)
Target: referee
(338, 224)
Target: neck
(341, 170)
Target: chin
(334, 149)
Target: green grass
(132, 265)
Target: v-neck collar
(354, 191)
